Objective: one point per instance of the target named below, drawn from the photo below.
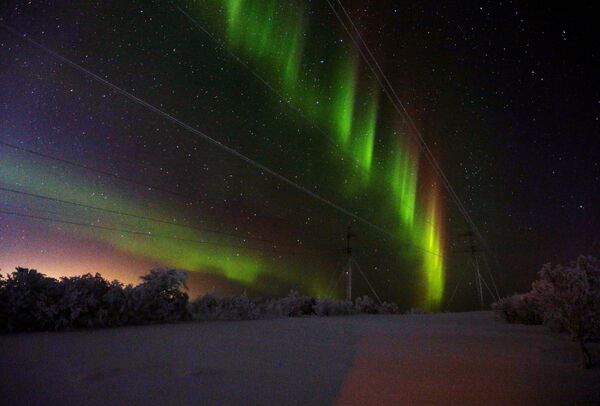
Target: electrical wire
(389, 90)
(137, 216)
(152, 235)
(148, 186)
(262, 168)
(207, 138)
(286, 100)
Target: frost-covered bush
(292, 305)
(238, 307)
(87, 301)
(364, 304)
(566, 298)
(523, 309)
(330, 307)
(114, 304)
(205, 307)
(159, 298)
(30, 300)
(210, 307)
(388, 308)
(569, 297)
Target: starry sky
(238, 140)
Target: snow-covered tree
(160, 297)
(81, 302)
(569, 297)
(566, 298)
(31, 300)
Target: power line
(213, 141)
(60, 214)
(93, 169)
(150, 234)
(455, 289)
(389, 90)
(254, 73)
(286, 100)
(198, 133)
(368, 283)
(137, 216)
(148, 186)
(489, 270)
(401, 109)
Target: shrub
(329, 307)
(83, 302)
(205, 307)
(388, 308)
(522, 309)
(210, 307)
(570, 299)
(114, 301)
(292, 305)
(364, 304)
(238, 307)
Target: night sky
(238, 140)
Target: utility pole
(478, 273)
(473, 250)
(475, 261)
(350, 265)
(349, 236)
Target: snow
(453, 358)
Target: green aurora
(272, 36)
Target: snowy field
(445, 359)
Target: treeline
(32, 301)
(565, 298)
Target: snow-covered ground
(445, 359)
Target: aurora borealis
(273, 37)
(283, 84)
